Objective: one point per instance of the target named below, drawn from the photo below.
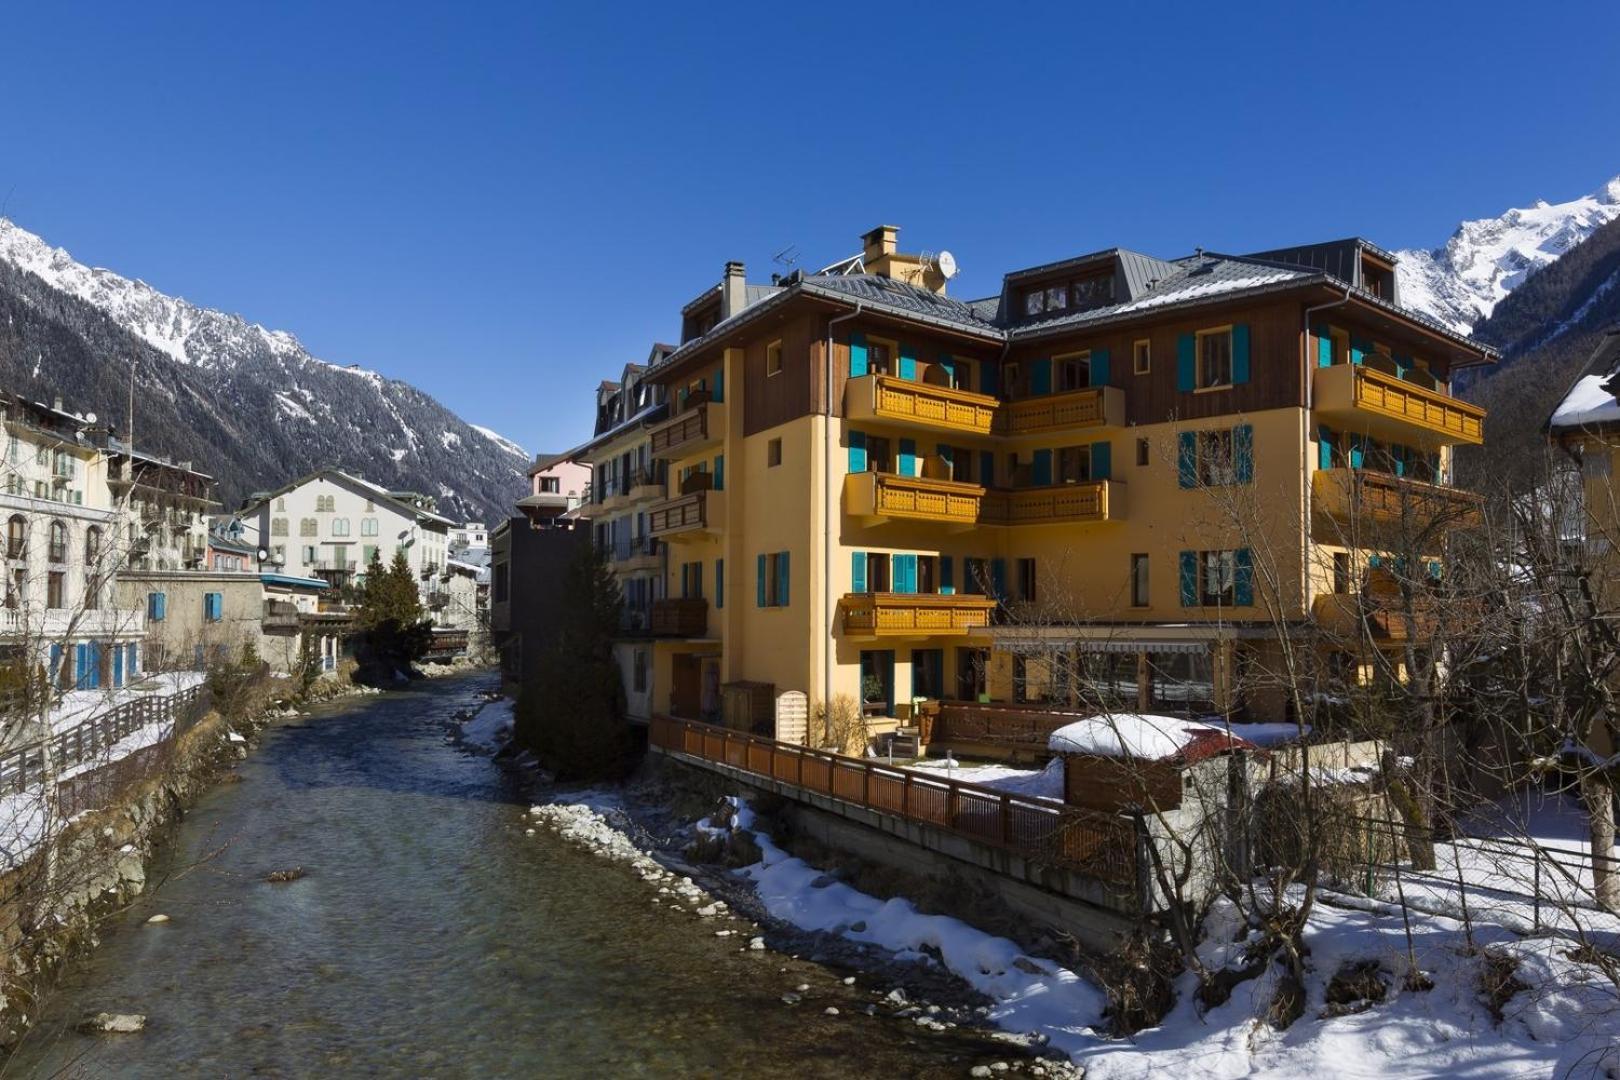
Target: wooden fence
(87, 741)
(1099, 845)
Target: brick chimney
(733, 290)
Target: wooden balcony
(685, 617)
(913, 498)
(697, 428)
(902, 401)
(1060, 504)
(1339, 616)
(1093, 407)
(917, 615)
(1362, 497)
(686, 517)
(1366, 400)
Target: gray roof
(883, 293)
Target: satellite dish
(89, 417)
(947, 265)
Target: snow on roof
(1587, 402)
(1142, 736)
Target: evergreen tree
(572, 712)
(393, 632)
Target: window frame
(1208, 459)
(773, 351)
(1142, 356)
(1144, 453)
(1200, 384)
(773, 453)
(1223, 562)
(1141, 582)
(1062, 364)
(890, 366)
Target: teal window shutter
(947, 580)
(1186, 363)
(1397, 455)
(1324, 347)
(1375, 561)
(1240, 353)
(1187, 459)
(759, 584)
(906, 571)
(1243, 453)
(1243, 578)
(1099, 367)
(1324, 448)
(1102, 460)
(857, 572)
(719, 472)
(1434, 571)
(908, 362)
(1040, 376)
(783, 578)
(720, 383)
(987, 468)
(719, 583)
(998, 578)
(1189, 579)
(857, 355)
(1042, 471)
(989, 379)
(907, 465)
(857, 451)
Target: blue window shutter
(720, 383)
(1324, 448)
(1187, 459)
(1243, 578)
(857, 451)
(987, 468)
(1434, 571)
(1324, 347)
(1243, 453)
(908, 361)
(1042, 471)
(857, 357)
(907, 465)
(1186, 363)
(759, 596)
(131, 665)
(1375, 561)
(989, 379)
(1040, 376)
(857, 571)
(905, 570)
(1189, 579)
(1099, 367)
(1102, 460)
(1240, 353)
(79, 666)
(719, 583)
(783, 577)
(947, 579)
(998, 578)
(719, 472)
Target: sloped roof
(1591, 402)
(884, 293)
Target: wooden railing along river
(24, 766)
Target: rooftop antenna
(787, 256)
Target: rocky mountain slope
(249, 405)
(1462, 282)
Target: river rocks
(158, 918)
(279, 877)
(791, 999)
(756, 944)
(112, 1023)
(831, 1010)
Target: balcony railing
(903, 401)
(1060, 504)
(914, 614)
(688, 432)
(884, 495)
(680, 617)
(1363, 496)
(1366, 400)
(280, 615)
(1091, 407)
(700, 512)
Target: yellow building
(1146, 467)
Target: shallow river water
(430, 936)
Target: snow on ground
(491, 728)
(1044, 783)
(77, 706)
(1143, 736)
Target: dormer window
(1061, 297)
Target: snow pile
(1030, 995)
(491, 728)
(1143, 736)
(1044, 783)
(1588, 402)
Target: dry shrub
(1139, 978)
(1499, 980)
(1357, 986)
(1352, 845)
(843, 726)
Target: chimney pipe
(881, 241)
(733, 290)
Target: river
(431, 936)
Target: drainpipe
(828, 603)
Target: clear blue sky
(504, 203)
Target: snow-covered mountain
(1462, 282)
(248, 404)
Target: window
(59, 541)
(1216, 463)
(975, 577)
(368, 554)
(773, 358)
(1073, 371)
(92, 546)
(278, 526)
(17, 537)
(550, 485)
(308, 527)
(880, 356)
(773, 580)
(878, 458)
(325, 504)
(213, 606)
(928, 673)
(1214, 358)
(17, 589)
(1139, 581)
(639, 679)
(1026, 580)
(1141, 356)
(692, 581)
(1142, 452)
(340, 526)
(311, 555)
(56, 589)
(1073, 464)
(368, 526)
(1218, 577)
(1341, 572)
(281, 504)
(773, 453)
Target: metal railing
(1095, 844)
(83, 742)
